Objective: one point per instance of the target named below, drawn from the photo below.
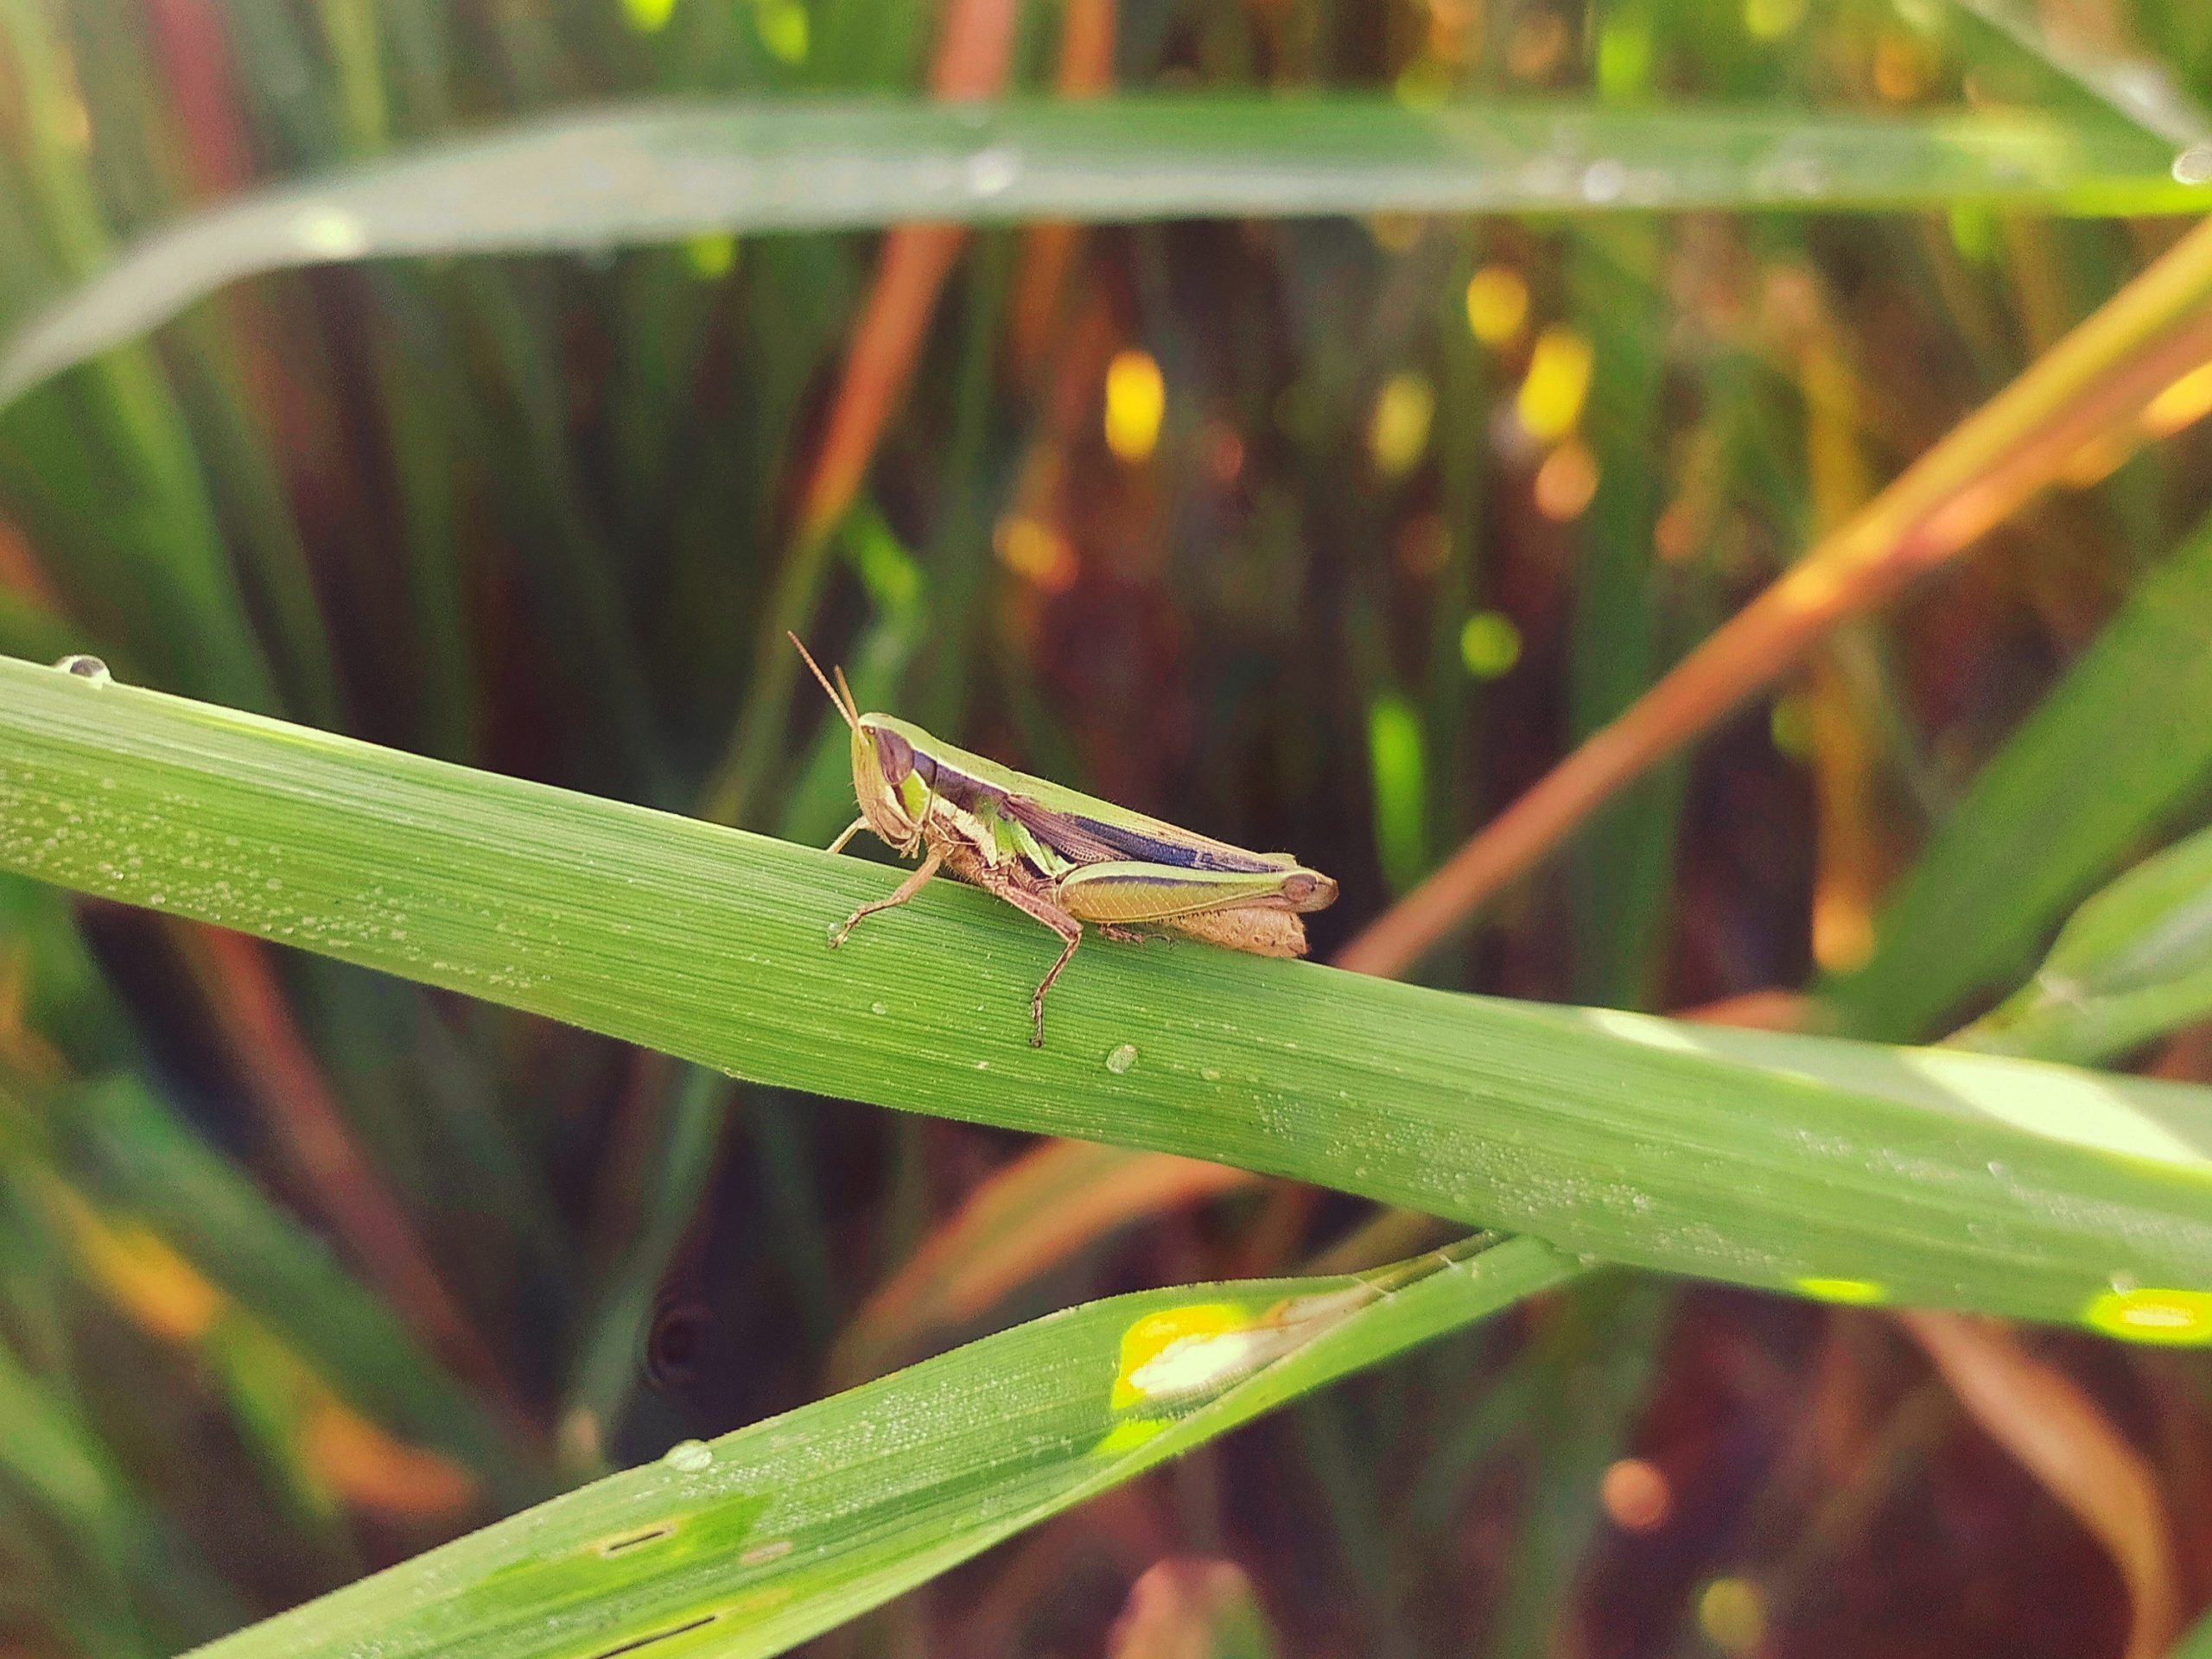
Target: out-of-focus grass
(519, 512)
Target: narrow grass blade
(660, 173)
(139, 1155)
(1620, 872)
(2118, 747)
(752, 1542)
(1837, 1168)
(2134, 962)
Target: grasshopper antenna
(845, 706)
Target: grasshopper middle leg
(1036, 905)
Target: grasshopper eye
(1297, 888)
(894, 755)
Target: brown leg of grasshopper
(1054, 917)
(913, 885)
(850, 830)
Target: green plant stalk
(1834, 1167)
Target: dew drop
(992, 172)
(86, 668)
(325, 232)
(2194, 165)
(1121, 1058)
(689, 1457)
(877, 1007)
(1603, 182)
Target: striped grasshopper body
(1063, 857)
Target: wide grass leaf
(754, 1542)
(658, 173)
(1834, 1167)
(2113, 752)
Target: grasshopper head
(884, 775)
(885, 778)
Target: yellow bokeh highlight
(2175, 1319)
(1905, 68)
(1770, 20)
(648, 16)
(1567, 482)
(711, 256)
(1490, 644)
(1558, 381)
(1851, 1292)
(1732, 1614)
(1497, 304)
(1843, 930)
(1136, 403)
(782, 27)
(1397, 430)
(2186, 401)
(1626, 53)
(1790, 725)
(1036, 552)
(1974, 232)
(1396, 233)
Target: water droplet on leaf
(689, 1457)
(992, 172)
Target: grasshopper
(1060, 856)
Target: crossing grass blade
(644, 174)
(752, 1542)
(2131, 963)
(1836, 1168)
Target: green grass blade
(140, 1156)
(752, 1542)
(656, 173)
(1841, 1168)
(1620, 869)
(2132, 963)
(2118, 748)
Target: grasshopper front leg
(913, 885)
